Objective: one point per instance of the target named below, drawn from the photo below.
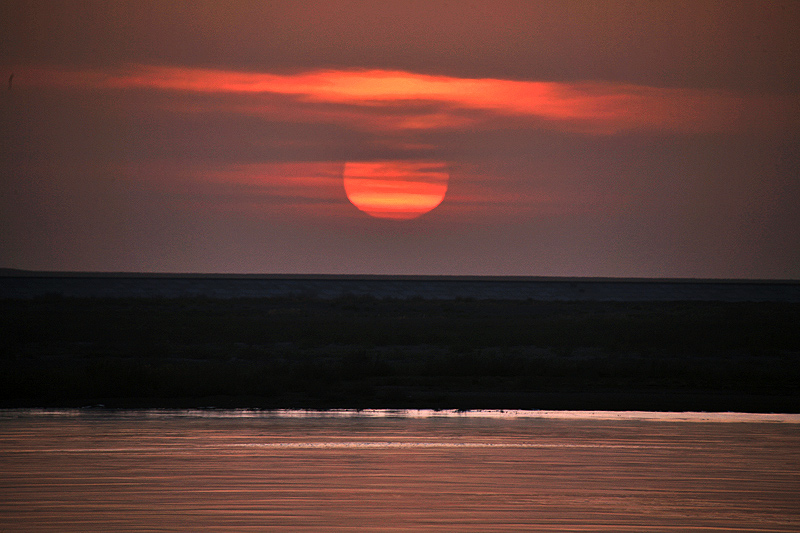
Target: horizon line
(17, 272)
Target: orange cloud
(410, 101)
(262, 189)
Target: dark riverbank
(367, 352)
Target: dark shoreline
(645, 401)
(359, 352)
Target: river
(207, 470)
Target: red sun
(399, 190)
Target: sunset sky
(564, 138)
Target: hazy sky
(641, 139)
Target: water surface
(98, 470)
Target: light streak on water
(509, 414)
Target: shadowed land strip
(363, 352)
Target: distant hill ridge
(31, 284)
(16, 272)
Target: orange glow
(397, 100)
(399, 190)
(596, 106)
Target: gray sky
(581, 138)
